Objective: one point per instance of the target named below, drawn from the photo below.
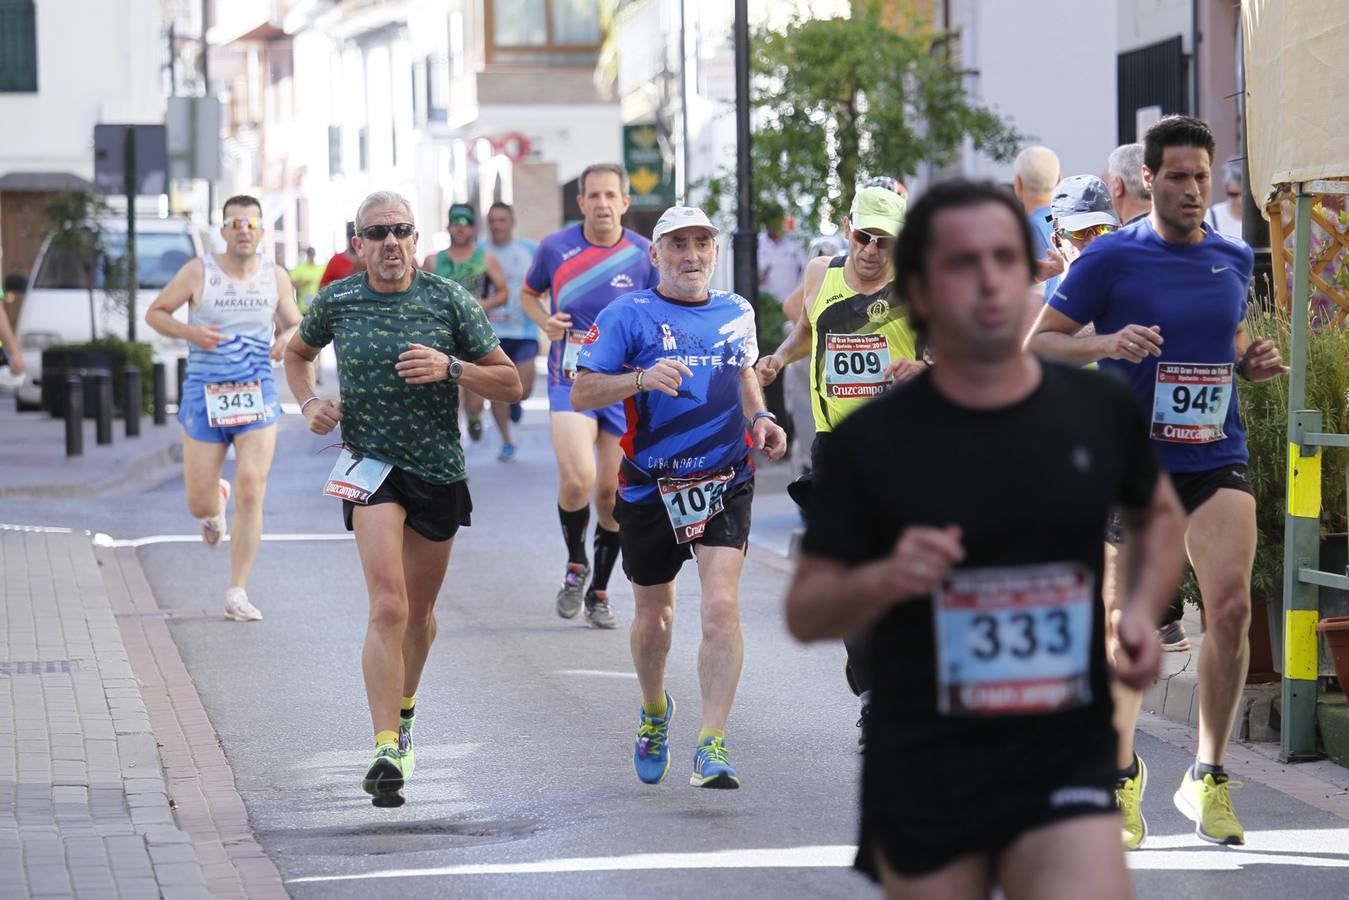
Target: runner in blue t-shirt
(679, 358)
(1167, 296)
(583, 268)
(518, 335)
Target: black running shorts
(435, 511)
(651, 555)
(1197, 488)
(924, 817)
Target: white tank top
(244, 311)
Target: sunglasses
(1091, 231)
(379, 232)
(864, 238)
(239, 222)
(1234, 194)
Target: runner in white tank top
(236, 302)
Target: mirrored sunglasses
(1092, 231)
(237, 222)
(864, 238)
(401, 231)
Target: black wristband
(1240, 368)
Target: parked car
(57, 307)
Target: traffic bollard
(161, 391)
(132, 401)
(74, 416)
(103, 410)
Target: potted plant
(1264, 411)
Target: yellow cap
(877, 209)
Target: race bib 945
(1189, 402)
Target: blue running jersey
(583, 279)
(1196, 294)
(701, 431)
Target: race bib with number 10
(692, 502)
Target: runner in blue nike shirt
(1167, 296)
(680, 359)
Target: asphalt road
(524, 784)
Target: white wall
(98, 63)
(1060, 90)
(1144, 22)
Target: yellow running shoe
(1208, 804)
(1129, 799)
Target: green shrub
(1264, 410)
(125, 354)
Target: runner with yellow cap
(859, 342)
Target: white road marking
(36, 529)
(598, 673)
(1309, 848)
(104, 540)
(833, 857)
(1305, 848)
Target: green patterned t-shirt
(413, 426)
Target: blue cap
(1081, 201)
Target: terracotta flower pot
(1336, 631)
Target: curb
(1175, 696)
(207, 804)
(143, 473)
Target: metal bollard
(74, 388)
(161, 391)
(132, 401)
(103, 411)
(182, 376)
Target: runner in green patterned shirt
(405, 340)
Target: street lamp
(746, 240)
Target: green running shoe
(405, 744)
(384, 781)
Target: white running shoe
(238, 608)
(213, 527)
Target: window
(363, 149)
(18, 46)
(334, 149)
(159, 256)
(543, 31)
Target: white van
(57, 308)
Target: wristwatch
(763, 414)
(456, 369)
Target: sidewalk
(34, 465)
(95, 707)
(88, 812)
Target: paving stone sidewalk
(84, 808)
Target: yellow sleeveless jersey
(854, 338)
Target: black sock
(1131, 771)
(606, 554)
(1199, 770)
(574, 524)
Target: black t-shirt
(1031, 486)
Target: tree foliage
(873, 94)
